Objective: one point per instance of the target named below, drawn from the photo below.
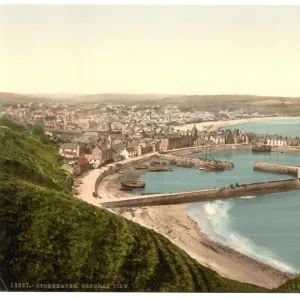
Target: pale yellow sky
(143, 49)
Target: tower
(195, 132)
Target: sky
(150, 49)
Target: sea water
(284, 127)
(265, 227)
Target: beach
(172, 222)
(215, 125)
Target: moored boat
(133, 184)
(159, 169)
(141, 167)
(261, 148)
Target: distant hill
(213, 103)
(118, 98)
(19, 98)
(250, 103)
(49, 236)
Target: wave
(217, 213)
(246, 197)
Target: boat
(141, 167)
(133, 184)
(186, 164)
(212, 168)
(204, 169)
(122, 188)
(154, 163)
(212, 165)
(261, 148)
(159, 169)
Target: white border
(156, 2)
(133, 296)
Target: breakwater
(259, 188)
(197, 162)
(278, 168)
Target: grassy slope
(30, 156)
(292, 286)
(48, 236)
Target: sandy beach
(173, 222)
(215, 125)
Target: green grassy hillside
(49, 237)
(29, 155)
(292, 286)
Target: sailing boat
(212, 164)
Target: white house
(125, 154)
(129, 152)
(276, 142)
(217, 138)
(95, 158)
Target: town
(93, 135)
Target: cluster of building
(92, 135)
(93, 149)
(134, 120)
(222, 137)
(275, 140)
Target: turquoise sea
(285, 127)
(264, 227)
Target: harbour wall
(278, 168)
(197, 162)
(199, 149)
(226, 147)
(286, 149)
(259, 188)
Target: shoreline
(173, 222)
(216, 125)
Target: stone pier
(277, 168)
(258, 188)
